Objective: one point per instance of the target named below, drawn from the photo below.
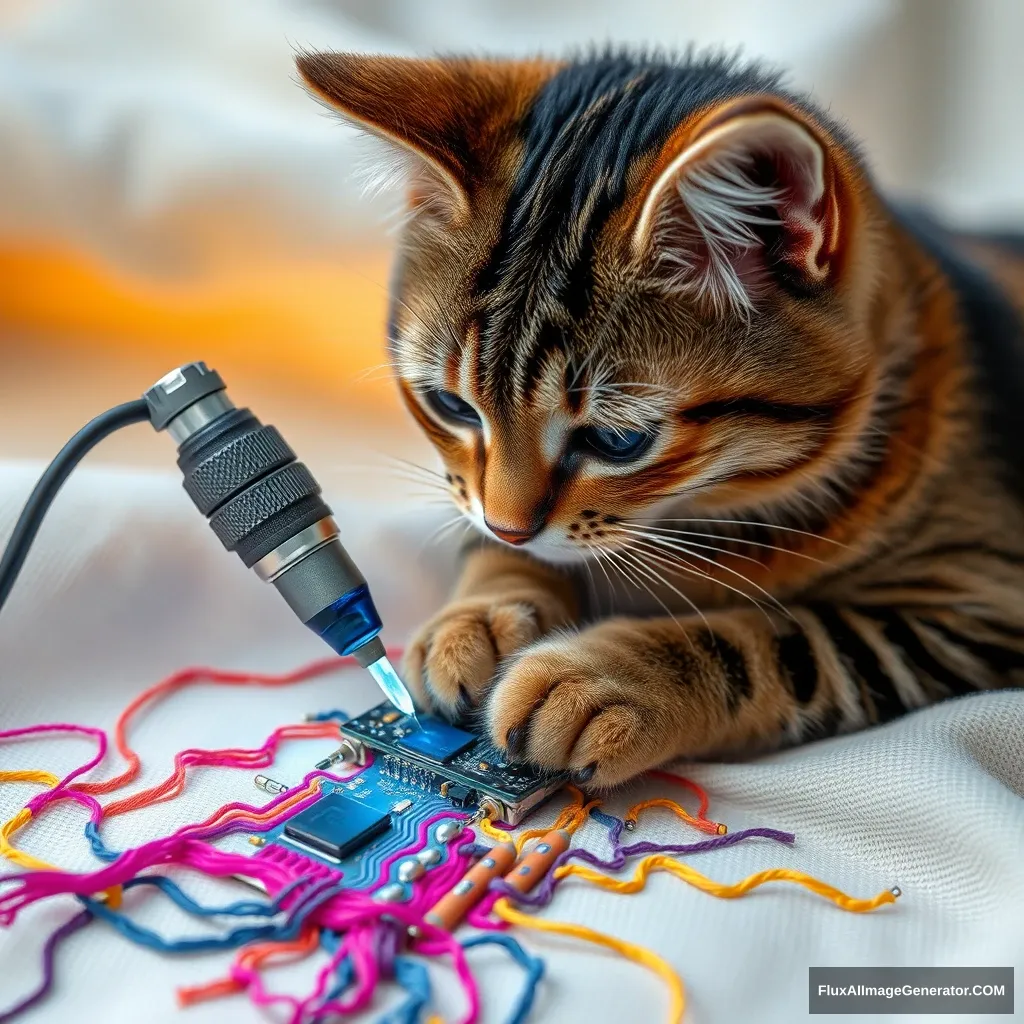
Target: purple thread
(49, 951)
(546, 890)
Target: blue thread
(414, 978)
(608, 820)
(533, 966)
(242, 908)
(343, 972)
(313, 898)
(329, 716)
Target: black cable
(52, 480)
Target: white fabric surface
(127, 584)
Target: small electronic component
(336, 826)
(458, 795)
(536, 864)
(269, 785)
(451, 908)
(401, 807)
(393, 893)
(435, 740)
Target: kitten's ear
(751, 191)
(446, 116)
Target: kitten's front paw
(580, 704)
(451, 661)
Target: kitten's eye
(451, 407)
(617, 445)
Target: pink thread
(83, 730)
(480, 915)
(354, 913)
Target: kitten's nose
(511, 536)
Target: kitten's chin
(555, 553)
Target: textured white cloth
(127, 584)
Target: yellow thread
(111, 896)
(47, 779)
(571, 818)
(637, 954)
(660, 862)
(12, 853)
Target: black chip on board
(337, 826)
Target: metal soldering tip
(394, 689)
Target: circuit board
(436, 757)
(406, 807)
(421, 768)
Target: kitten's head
(621, 282)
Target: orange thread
(252, 957)
(701, 821)
(174, 784)
(186, 677)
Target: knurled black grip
(264, 499)
(231, 469)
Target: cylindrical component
(451, 908)
(534, 866)
(269, 785)
(266, 507)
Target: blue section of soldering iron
(348, 623)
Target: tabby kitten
(671, 343)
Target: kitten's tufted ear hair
(449, 117)
(751, 190)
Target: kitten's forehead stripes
(584, 131)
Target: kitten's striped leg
(626, 695)
(504, 602)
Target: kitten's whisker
(443, 529)
(675, 561)
(598, 552)
(693, 554)
(736, 540)
(653, 574)
(743, 522)
(659, 536)
(380, 369)
(415, 466)
(633, 567)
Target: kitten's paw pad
(565, 713)
(451, 662)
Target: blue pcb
(376, 795)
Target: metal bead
(447, 831)
(429, 856)
(390, 893)
(410, 870)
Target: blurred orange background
(302, 343)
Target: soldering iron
(261, 502)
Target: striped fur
(821, 528)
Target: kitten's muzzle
(516, 537)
